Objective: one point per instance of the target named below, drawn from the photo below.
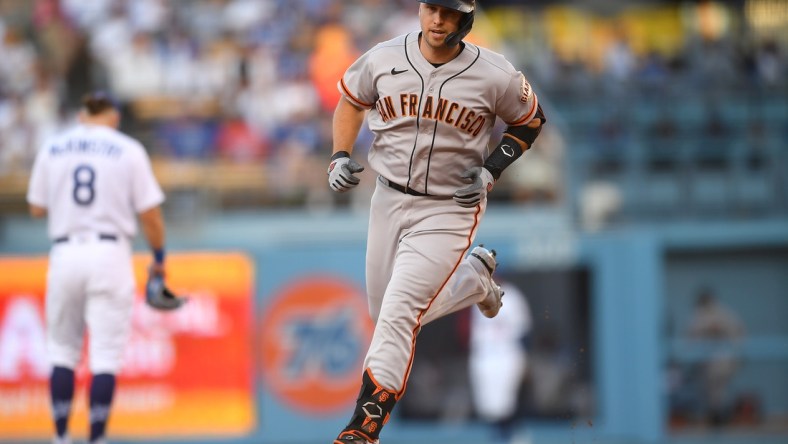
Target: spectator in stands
(135, 70)
(56, 39)
(713, 62)
(238, 142)
(722, 329)
(653, 70)
(187, 136)
(41, 108)
(333, 54)
(17, 136)
(619, 60)
(770, 65)
(110, 33)
(19, 60)
(254, 57)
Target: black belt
(101, 236)
(400, 188)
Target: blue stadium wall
(635, 272)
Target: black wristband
(504, 154)
(339, 154)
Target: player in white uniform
(432, 101)
(92, 182)
(497, 362)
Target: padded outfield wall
(280, 307)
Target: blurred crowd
(241, 80)
(253, 82)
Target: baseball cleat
(492, 303)
(351, 438)
(487, 257)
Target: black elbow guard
(526, 133)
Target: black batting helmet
(467, 7)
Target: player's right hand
(341, 172)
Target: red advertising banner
(186, 373)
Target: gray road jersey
(431, 124)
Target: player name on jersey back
(86, 146)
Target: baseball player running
(93, 181)
(432, 101)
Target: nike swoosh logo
(394, 71)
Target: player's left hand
(341, 172)
(157, 295)
(482, 183)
